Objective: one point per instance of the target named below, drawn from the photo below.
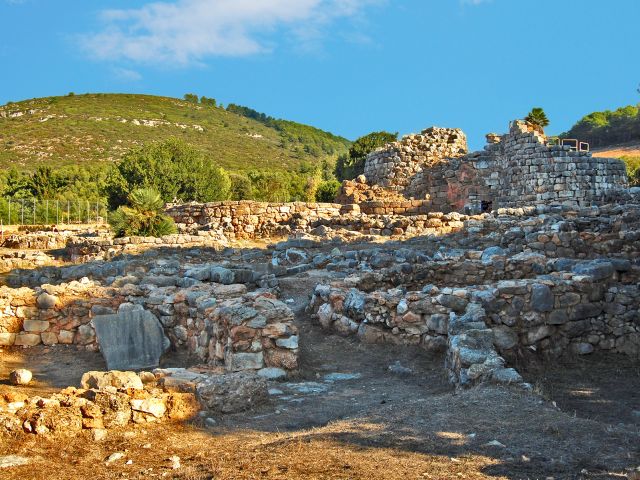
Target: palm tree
(143, 216)
(537, 119)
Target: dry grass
(314, 454)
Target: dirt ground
(351, 416)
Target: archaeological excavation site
(474, 314)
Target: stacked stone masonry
(516, 169)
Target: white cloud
(186, 31)
(126, 74)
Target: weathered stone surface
(130, 339)
(232, 392)
(113, 378)
(542, 299)
(20, 376)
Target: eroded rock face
(130, 339)
(233, 392)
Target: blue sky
(347, 66)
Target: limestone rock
(20, 376)
(113, 378)
(130, 339)
(232, 392)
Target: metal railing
(573, 144)
(31, 211)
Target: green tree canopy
(173, 168)
(608, 127)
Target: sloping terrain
(631, 149)
(80, 129)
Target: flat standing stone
(130, 340)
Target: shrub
(328, 191)
(175, 169)
(143, 216)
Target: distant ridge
(90, 128)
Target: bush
(143, 216)
(633, 169)
(173, 168)
(241, 188)
(328, 191)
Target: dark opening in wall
(486, 206)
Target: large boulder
(130, 339)
(232, 392)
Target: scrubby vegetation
(142, 216)
(606, 128)
(101, 128)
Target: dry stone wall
(514, 170)
(393, 166)
(219, 324)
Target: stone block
(130, 340)
(35, 326)
(27, 340)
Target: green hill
(91, 128)
(607, 128)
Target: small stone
(114, 457)
(20, 376)
(494, 443)
(98, 434)
(175, 462)
(8, 461)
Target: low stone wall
(220, 324)
(91, 248)
(248, 219)
(577, 313)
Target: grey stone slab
(130, 340)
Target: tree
(241, 188)
(143, 216)
(45, 183)
(191, 97)
(328, 191)
(537, 118)
(172, 167)
(210, 102)
(352, 164)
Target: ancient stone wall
(220, 324)
(248, 219)
(516, 169)
(552, 314)
(393, 166)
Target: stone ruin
(520, 251)
(517, 169)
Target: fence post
(34, 211)
(47, 212)
(22, 211)
(9, 211)
(57, 212)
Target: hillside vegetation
(94, 128)
(612, 133)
